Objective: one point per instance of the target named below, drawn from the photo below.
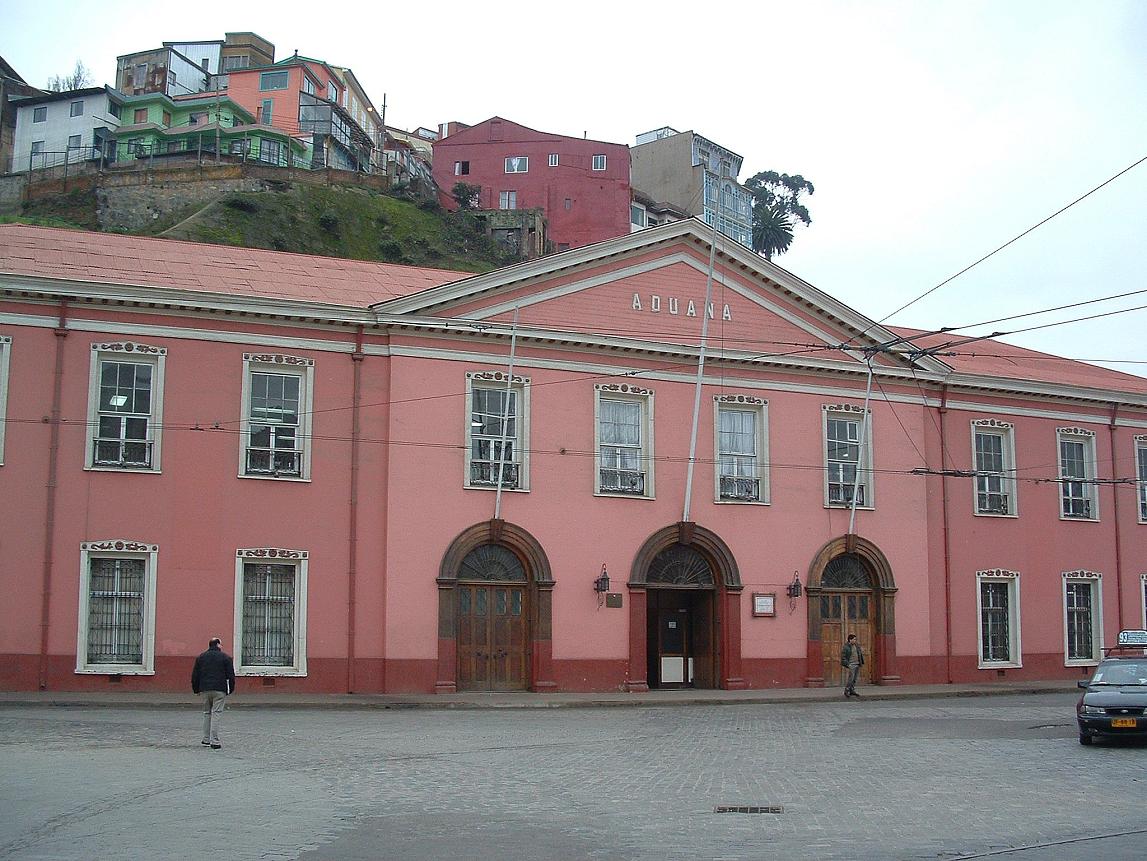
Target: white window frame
(273, 363)
(864, 466)
(1095, 581)
(496, 381)
(598, 161)
(40, 114)
(1005, 431)
(759, 407)
(1012, 579)
(299, 559)
(554, 159)
(1090, 488)
(635, 394)
(517, 164)
(72, 112)
(506, 198)
(128, 352)
(1143, 597)
(5, 353)
(118, 549)
(1140, 473)
(462, 168)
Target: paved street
(904, 779)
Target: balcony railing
(122, 453)
(622, 481)
(268, 461)
(733, 487)
(484, 473)
(992, 503)
(1077, 508)
(841, 494)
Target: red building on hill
(581, 185)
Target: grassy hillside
(330, 221)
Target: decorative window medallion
(125, 407)
(998, 610)
(271, 611)
(497, 431)
(275, 431)
(1083, 618)
(116, 624)
(623, 444)
(741, 442)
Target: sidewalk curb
(352, 702)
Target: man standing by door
(213, 678)
(852, 659)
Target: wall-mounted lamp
(793, 590)
(601, 585)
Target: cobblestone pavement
(917, 779)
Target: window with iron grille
(998, 602)
(270, 612)
(740, 443)
(117, 608)
(494, 434)
(124, 407)
(843, 451)
(5, 349)
(276, 409)
(995, 484)
(624, 442)
(1082, 626)
(1141, 462)
(1077, 476)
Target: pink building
(582, 185)
(365, 477)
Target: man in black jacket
(213, 678)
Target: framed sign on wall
(764, 603)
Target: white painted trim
(1090, 468)
(5, 355)
(118, 549)
(644, 397)
(304, 369)
(1014, 629)
(132, 354)
(520, 385)
(1140, 484)
(1143, 597)
(760, 408)
(1006, 431)
(299, 559)
(866, 468)
(1096, 582)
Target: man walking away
(213, 678)
(852, 659)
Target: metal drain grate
(728, 808)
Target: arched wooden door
(493, 611)
(847, 606)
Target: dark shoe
(216, 746)
(205, 742)
(855, 694)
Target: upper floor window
(140, 116)
(172, 83)
(125, 407)
(507, 200)
(742, 455)
(993, 448)
(140, 79)
(624, 424)
(308, 84)
(117, 608)
(113, 110)
(636, 215)
(1077, 474)
(497, 432)
(5, 349)
(265, 112)
(274, 80)
(276, 431)
(997, 604)
(517, 164)
(76, 108)
(848, 456)
(37, 147)
(241, 61)
(553, 159)
(271, 611)
(1083, 617)
(40, 114)
(1141, 465)
(461, 168)
(598, 162)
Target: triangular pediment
(648, 290)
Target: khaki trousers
(212, 715)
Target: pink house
(581, 185)
(371, 478)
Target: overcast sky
(933, 131)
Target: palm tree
(772, 230)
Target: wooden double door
(493, 652)
(843, 613)
(681, 644)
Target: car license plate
(1123, 723)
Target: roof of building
(6, 71)
(477, 129)
(60, 96)
(108, 258)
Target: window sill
(847, 507)
(495, 488)
(996, 516)
(293, 478)
(1081, 662)
(1079, 519)
(115, 670)
(609, 494)
(130, 469)
(1000, 665)
(270, 672)
(720, 501)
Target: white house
(71, 126)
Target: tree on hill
(466, 195)
(79, 78)
(777, 208)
